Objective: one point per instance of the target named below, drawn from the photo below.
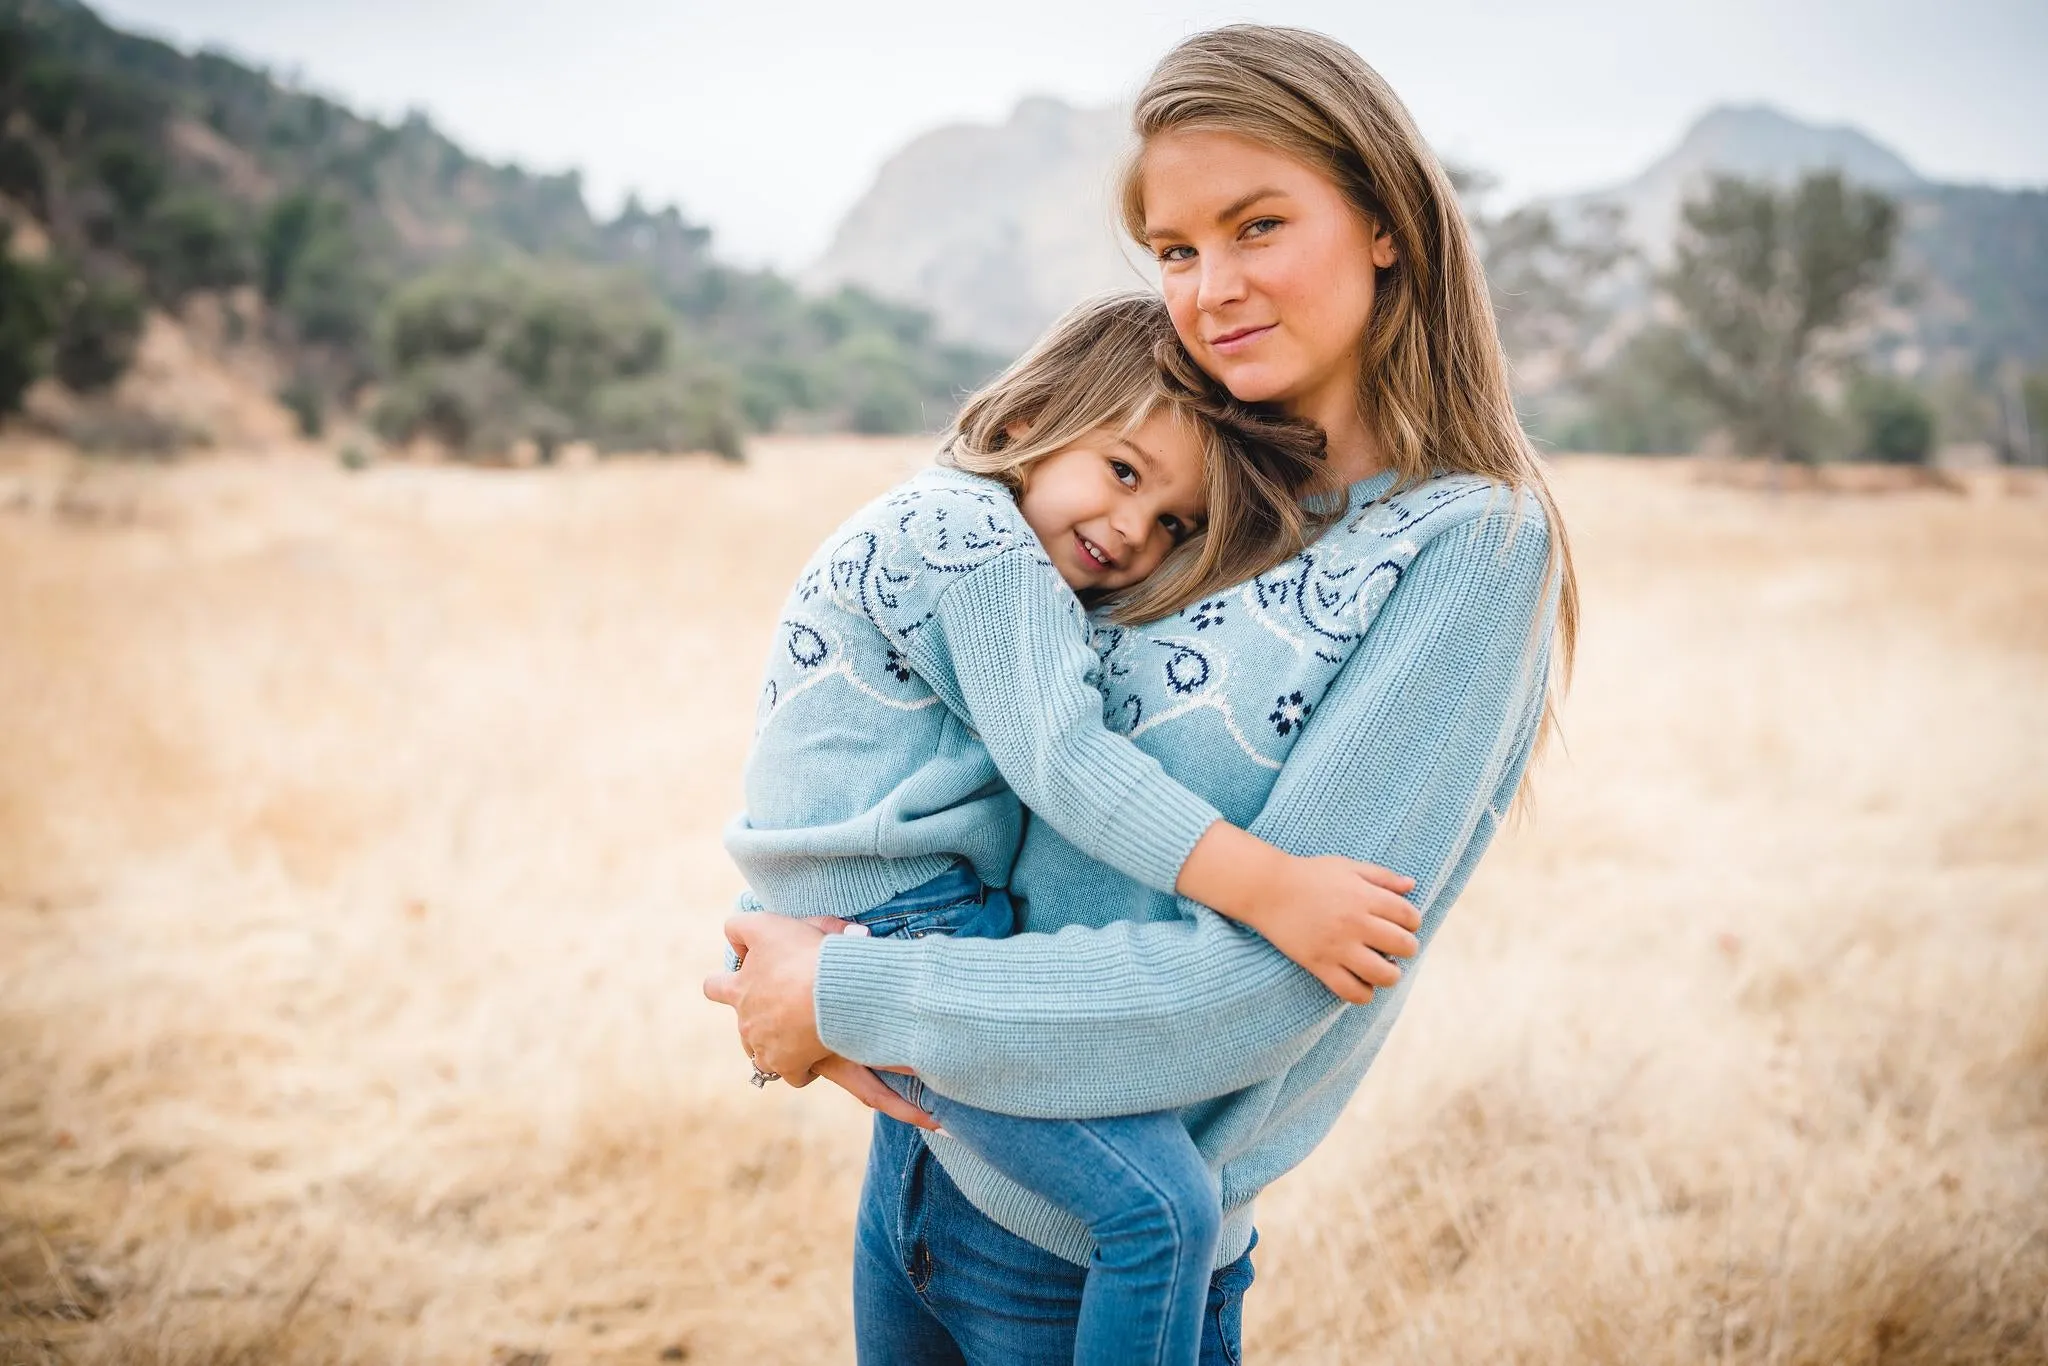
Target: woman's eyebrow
(1223, 215)
(1245, 201)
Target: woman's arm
(1412, 756)
(1005, 647)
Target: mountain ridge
(1027, 222)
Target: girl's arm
(1413, 756)
(1005, 647)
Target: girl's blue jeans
(937, 1283)
(1136, 1181)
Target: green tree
(2034, 405)
(1762, 279)
(27, 322)
(99, 323)
(192, 241)
(671, 413)
(1893, 422)
(132, 172)
(1628, 406)
(1544, 274)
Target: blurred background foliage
(397, 276)
(395, 280)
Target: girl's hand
(772, 992)
(1341, 921)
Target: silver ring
(761, 1078)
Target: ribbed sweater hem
(1032, 1219)
(845, 887)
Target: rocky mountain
(1754, 142)
(995, 230)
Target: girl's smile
(1109, 508)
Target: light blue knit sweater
(1377, 697)
(930, 654)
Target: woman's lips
(1240, 339)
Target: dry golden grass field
(359, 867)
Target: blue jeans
(938, 1283)
(1136, 1181)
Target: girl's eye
(1259, 227)
(1175, 254)
(1174, 526)
(1125, 475)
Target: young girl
(932, 676)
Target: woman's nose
(1222, 283)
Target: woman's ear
(1384, 253)
(1017, 431)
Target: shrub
(192, 242)
(132, 173)
(473, 405)
(307, 404)
(669, 413)
(99, 323)
(22, 177)
(100, 429)
(27, 321)
(1893, 422)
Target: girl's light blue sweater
(930, 669)
(1377, 697)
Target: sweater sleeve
(1415, 750)
(1006, 648)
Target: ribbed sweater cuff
(867, 995)
(1151, 838)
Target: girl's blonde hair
(1113, 362)
(1433, 382)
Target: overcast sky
(767, 118)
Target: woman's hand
(772, 992)
(870, 1090)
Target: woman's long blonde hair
(1112, 362)
(1433, 382)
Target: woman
(1378, 697)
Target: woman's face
(1267, 268)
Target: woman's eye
(1259, 227)
(1182, 253)
(1124, 473)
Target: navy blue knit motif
(1290, 712)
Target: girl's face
(1108, 508)
(1267, 268)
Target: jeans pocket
(1224, 1331)
(1226, 1322)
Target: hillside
(995, 229)
(158, 178)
